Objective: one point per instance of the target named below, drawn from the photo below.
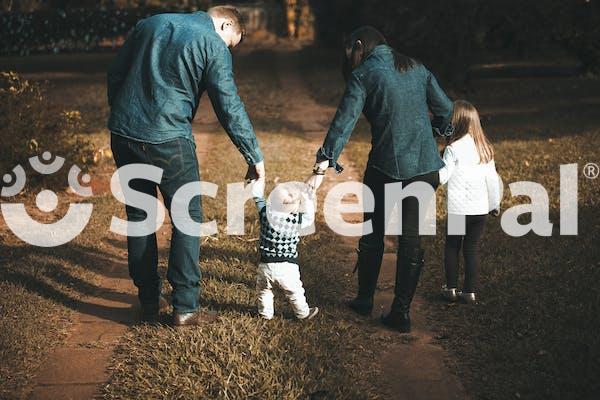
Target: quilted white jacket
(473, 188)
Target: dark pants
(178, 160)
(474, 227)
(371, 246)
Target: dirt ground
(532, 336)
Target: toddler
(291, 209)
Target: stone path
(78, 368)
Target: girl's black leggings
(475, 225)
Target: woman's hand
(315, 180)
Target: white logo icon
(36, 233)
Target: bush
(450, 36)
(578, 30)
(54, 30)
(29, 128)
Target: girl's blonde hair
(466, 121)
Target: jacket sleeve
(343, 123)
(493, 184)
(228, 106)
(450, 161)
(440, 105)
(118, 69)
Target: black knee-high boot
(368, 266)
(408, 271)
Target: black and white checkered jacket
(280, 232)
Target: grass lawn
(242, 356)
(38, 291)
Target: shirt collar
(205, 18)
(382, 52)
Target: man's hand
(256, 171)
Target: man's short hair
(232, 13)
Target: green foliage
(58, 29)
(29, 128)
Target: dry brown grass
(23, 314)
(40, 286)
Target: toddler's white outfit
(279, 238)
(286, 275)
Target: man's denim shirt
(397, 106)
(159, 75)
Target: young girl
(473, 192)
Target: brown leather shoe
(198, 318)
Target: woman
(396, 94)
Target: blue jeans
(178, 160)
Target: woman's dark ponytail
(403, 63)
(370, 38)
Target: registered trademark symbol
(591, 170)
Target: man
(154, 87)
